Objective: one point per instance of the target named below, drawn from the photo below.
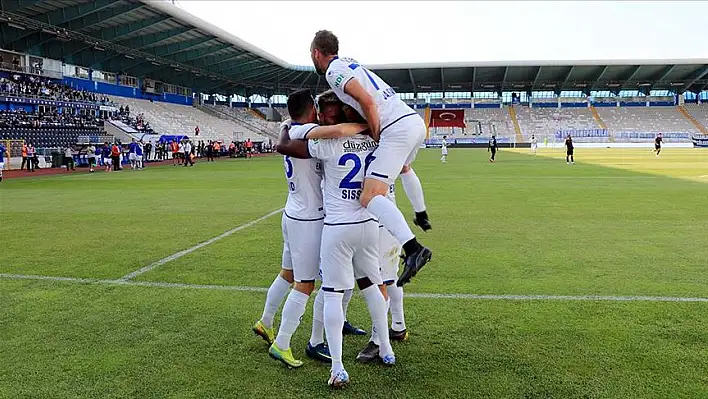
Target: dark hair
(299, 103)
(326, 42)
(327, 98)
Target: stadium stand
(645, 119)
(546, 121)
(487, 121)
(699, 114)
(174, 119)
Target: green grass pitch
(618, 223)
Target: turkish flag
(447, 118)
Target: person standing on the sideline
(131, 154)
(106, 153)
(400, 132)
(443, 159)
(569, 150)
(139, 154)
(115, 157)
(188, 153)
(492, 147)
(3, 154)
(657, 144)
(91, 157)
(534, 144)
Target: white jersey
(534, 142)
(344, 162)
(304, 179)
(390, 107)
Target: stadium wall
(115, 89)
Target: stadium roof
(156, 39)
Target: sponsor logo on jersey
(359, 146)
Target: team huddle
(341, 225)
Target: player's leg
(349, 328)
(368, 275)
(387, 162)
(411, 183)
(276, 293)
(304, 243)
(2, 166)
(337, 276)
(389, 256)
(572, 157)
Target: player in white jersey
(400, 132)
(349, 252)
(443, 159)
(302, 230)
(534, 144)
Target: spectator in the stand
(188, 153)
(127, 110)
(106, 152)
(115, 157)
(24, 157)
(91, 156)
(69, 158)
(196, 131)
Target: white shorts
(132, 157)
(2, 166)
(534, 146)
(389, 255)
(398, 146)
(301, 248)
(350, 252)
(444, 151)
(108, 161)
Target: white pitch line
(187, 251)
(479, 297)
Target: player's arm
(293, 148)
(368, 105)
(337, 131)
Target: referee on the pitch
(492, 147)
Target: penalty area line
(187, 251)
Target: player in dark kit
(569, 150)
(657, 144)
(492, 147)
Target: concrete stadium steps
(257, 127)
(697, 115)
(492, 120)
(257, 113)
(515, 121)
(175, 119)
(545, 122)
(646, 119)
(597, 117)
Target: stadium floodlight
(488, 86)
(581, 85)
(424, 87)
(63, 38)
(5, 19)
(50, 31)
(99, 48)
(455, 86)
(130, 57)
(549, 85)
(16, 26)
(677, 83)
(644, 84)
(156, 63)
(518, 86)
(613, 85)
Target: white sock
(334, 321)
(379, 318)
(391, 218)
(345, 301)
(374, 336)
(414, 190)
(293, 310)
(317, 336)
(276, 293)
(395, 295)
